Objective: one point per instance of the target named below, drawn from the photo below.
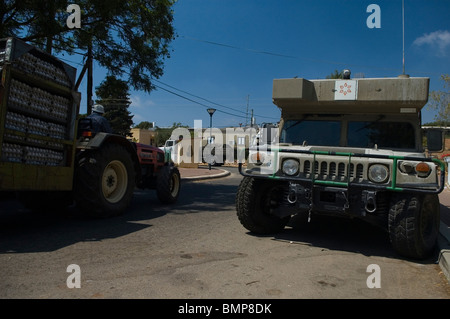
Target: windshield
(383, 134)
(325, 133)
(364, 134)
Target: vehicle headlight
(290, 167)
(378, 173)
(406, 167)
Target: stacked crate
(37, 106)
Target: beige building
(144, 136)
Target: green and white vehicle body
(350, 148)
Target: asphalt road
(198, 249)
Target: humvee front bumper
(314, 178)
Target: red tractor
(109, 167)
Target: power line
(206, 100)
(239, 48)
(199, 97)
(206, 106)
(196, 102)
(275, 54)
(193, 95)
(193, 101)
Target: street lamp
(211, 112)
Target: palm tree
(335, 75)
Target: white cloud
(140, 106)
(437, 40)
(137, 118)
(138, 102)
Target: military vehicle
(51, 157)
(350, 148)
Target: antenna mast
(403, 35)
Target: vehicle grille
(339, 171)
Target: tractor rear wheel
(105, 181)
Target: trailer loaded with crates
(38, 117)
(51, 163)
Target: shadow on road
(23, 231)
(201, 197)
(347, 235)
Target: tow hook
(294, 191)
(292, 198)
(371, 202)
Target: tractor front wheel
(168, 184)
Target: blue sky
(227, 53)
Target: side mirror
(435, 140)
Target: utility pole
(89, 79)
(211, 112)
(246, 114)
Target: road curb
(444, 262)
(223, 173)
(444, 247)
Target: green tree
(335, 75)
(37, 21)
(164, 133)
(128, 38)
(114, 96)
(145, 125)
(439, 101)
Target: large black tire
(104, 181)
(254, 200)
(168, 184)
(413, 224)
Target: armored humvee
(347, 147)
